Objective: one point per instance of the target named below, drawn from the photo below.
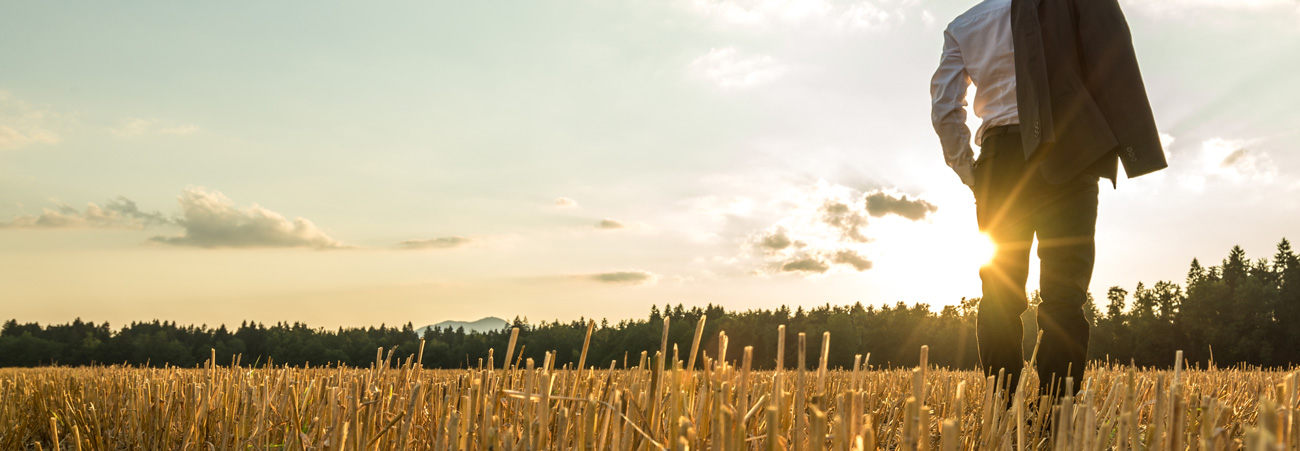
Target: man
(1061, 99)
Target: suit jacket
(1079, 93)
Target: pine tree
(1195, 274)
(1116, 295)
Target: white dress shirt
(976, 48)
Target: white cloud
(565, 202)
(867, 16)
(756, 12)
(22, 124)
(862, 14)
(1235, 159)
(1228, 160)
(211, 220)
(828, 229)
(1166, 140)
(117, 213)
(135, 126)
(183, 129)
(730, 69)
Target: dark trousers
(1013, 205)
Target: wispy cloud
(866, 15)
(22, 124)
(565, 202)
(631, 277)
(117, 213)
(1221, 5)
(729, 68)
(445, 242)
(806, 264)
(1221, 12)
(756, 12)
(610, 224)
(861, 14)
(133, 127)
(211, 220)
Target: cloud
(825, 14)
(775, 240)
(730, 69)
(755, 12)
(183, 129)
(633, 277)
(117, 213)
(853, 259)
(1166, 140)
(819, 263)
(848, 220)
(445, 242)
(565, 202)
(1235, 160)
(1170, 6)
(1230, 13)
(805, 264)
(1220, 161)
(880, 204)
(868, 16)
(140, 126)
(610, 224)
(212, 221)
(828, 229)
(22, 124)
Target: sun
(982, 249)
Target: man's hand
(967, 174)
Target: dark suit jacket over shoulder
(1080, 95)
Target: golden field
(656, 404)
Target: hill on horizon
(488, 324)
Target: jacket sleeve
(948, 109)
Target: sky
(351, 164)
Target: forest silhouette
(1241, 311)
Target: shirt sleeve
(948, 109)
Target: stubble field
(656, 404)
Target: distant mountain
(488, 324)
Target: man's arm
(948, 110)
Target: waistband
(1001, 130)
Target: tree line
(1238, 312)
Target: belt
(1001, 130)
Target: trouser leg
(1000, 192)
(1065, 218)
